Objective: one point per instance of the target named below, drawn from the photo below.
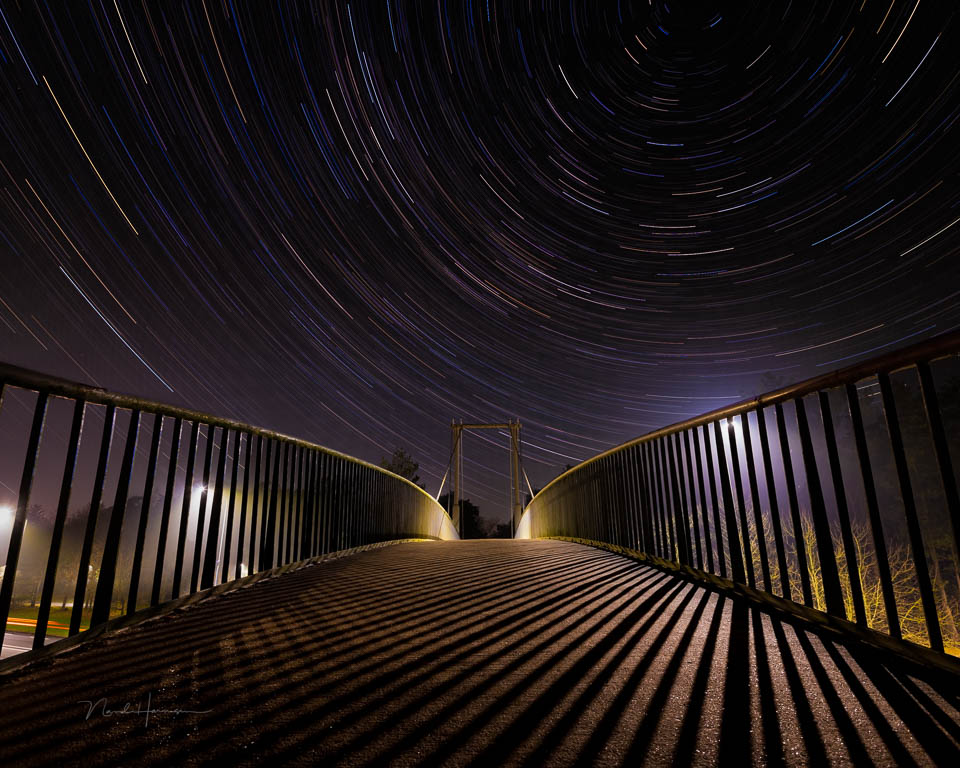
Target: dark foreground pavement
(486, 652)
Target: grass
(24, 620)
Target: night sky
(353, 222)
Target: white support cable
(442, 481)
(529, 487)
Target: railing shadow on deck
(837, 496)
(123, 504)
(557, 659)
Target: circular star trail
(354, 222)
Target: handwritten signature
(130, 708)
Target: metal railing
(838, 493)
(197, 501)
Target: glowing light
(6, 513)
(736, 430)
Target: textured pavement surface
(478, 652)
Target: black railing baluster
(650, 487)
(185, 509)
(640, 540)
(652, 507)
(733, 544)
(244, 520)
(270, 516)
(362, 506)
(948, 480)
(704, 507)
(315, 503)
(832, 592)
(209, 554)
(103, 598)
(692, 495)
(930, 616)
(749, 565)
(755, 501)
(775, 522)
(339, 512)
(286, 514)
(286, 496)
(356, 497)
(608, 518)
(614, 523)
(342, 516)
(302, 481)
(355, 504)
(311, 511)
(333, 519)
(56, 538)
(255, 503)
(324, 491)
(197, 561)
(20, 516)
(873, 512)
(843, 514)
(624, 533)
(270, 480)
(144, 514)
(578, 511)
(165, 512)
(712, 468)
(645, 542)
(631, 535)
(304, 528)
(679, 510)
(231, 509)
(794, 506)
(663, 496)
(84, 567)
(584, 509)
(368, 512)
(288, 474)
(376, 516)
(296, 529)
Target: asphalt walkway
(478, 652)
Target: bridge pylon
(516, 507)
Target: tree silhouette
(473, 525)
(401, 463)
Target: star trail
(354, 222)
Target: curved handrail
(291, 500)
(24, 378)
(926, 351)
(687, 495)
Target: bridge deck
(485, 652)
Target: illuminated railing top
(926, 351)
(282, 499)
(824, 531)
(24, 378)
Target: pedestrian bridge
(773, 582)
